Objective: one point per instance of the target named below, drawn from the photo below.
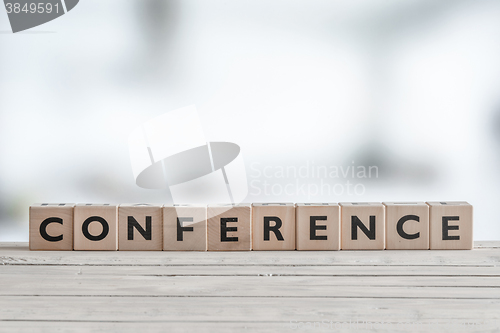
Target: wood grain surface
(267, 291)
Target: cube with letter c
(407, 225)
(51, 226)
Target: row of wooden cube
(244, 227)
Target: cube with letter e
(450, 225)
(229, 227)
(317, 226)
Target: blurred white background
(412, 87)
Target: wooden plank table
(337, 291)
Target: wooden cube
(273, 226)
(140, 227)
(184, 228)
(451, 226)
(229, 227)
(317, 226)
(95, 227)
(363, 225)
(51, 226)
(406, 225)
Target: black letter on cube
(356, 223)
(224, 229)
(181, 229)
(314, 227)
(132, 223)
(277, 225)
(105, 228)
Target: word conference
(258, 227)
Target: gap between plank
(257, 297)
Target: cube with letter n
(363, 225)
(140, 227)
